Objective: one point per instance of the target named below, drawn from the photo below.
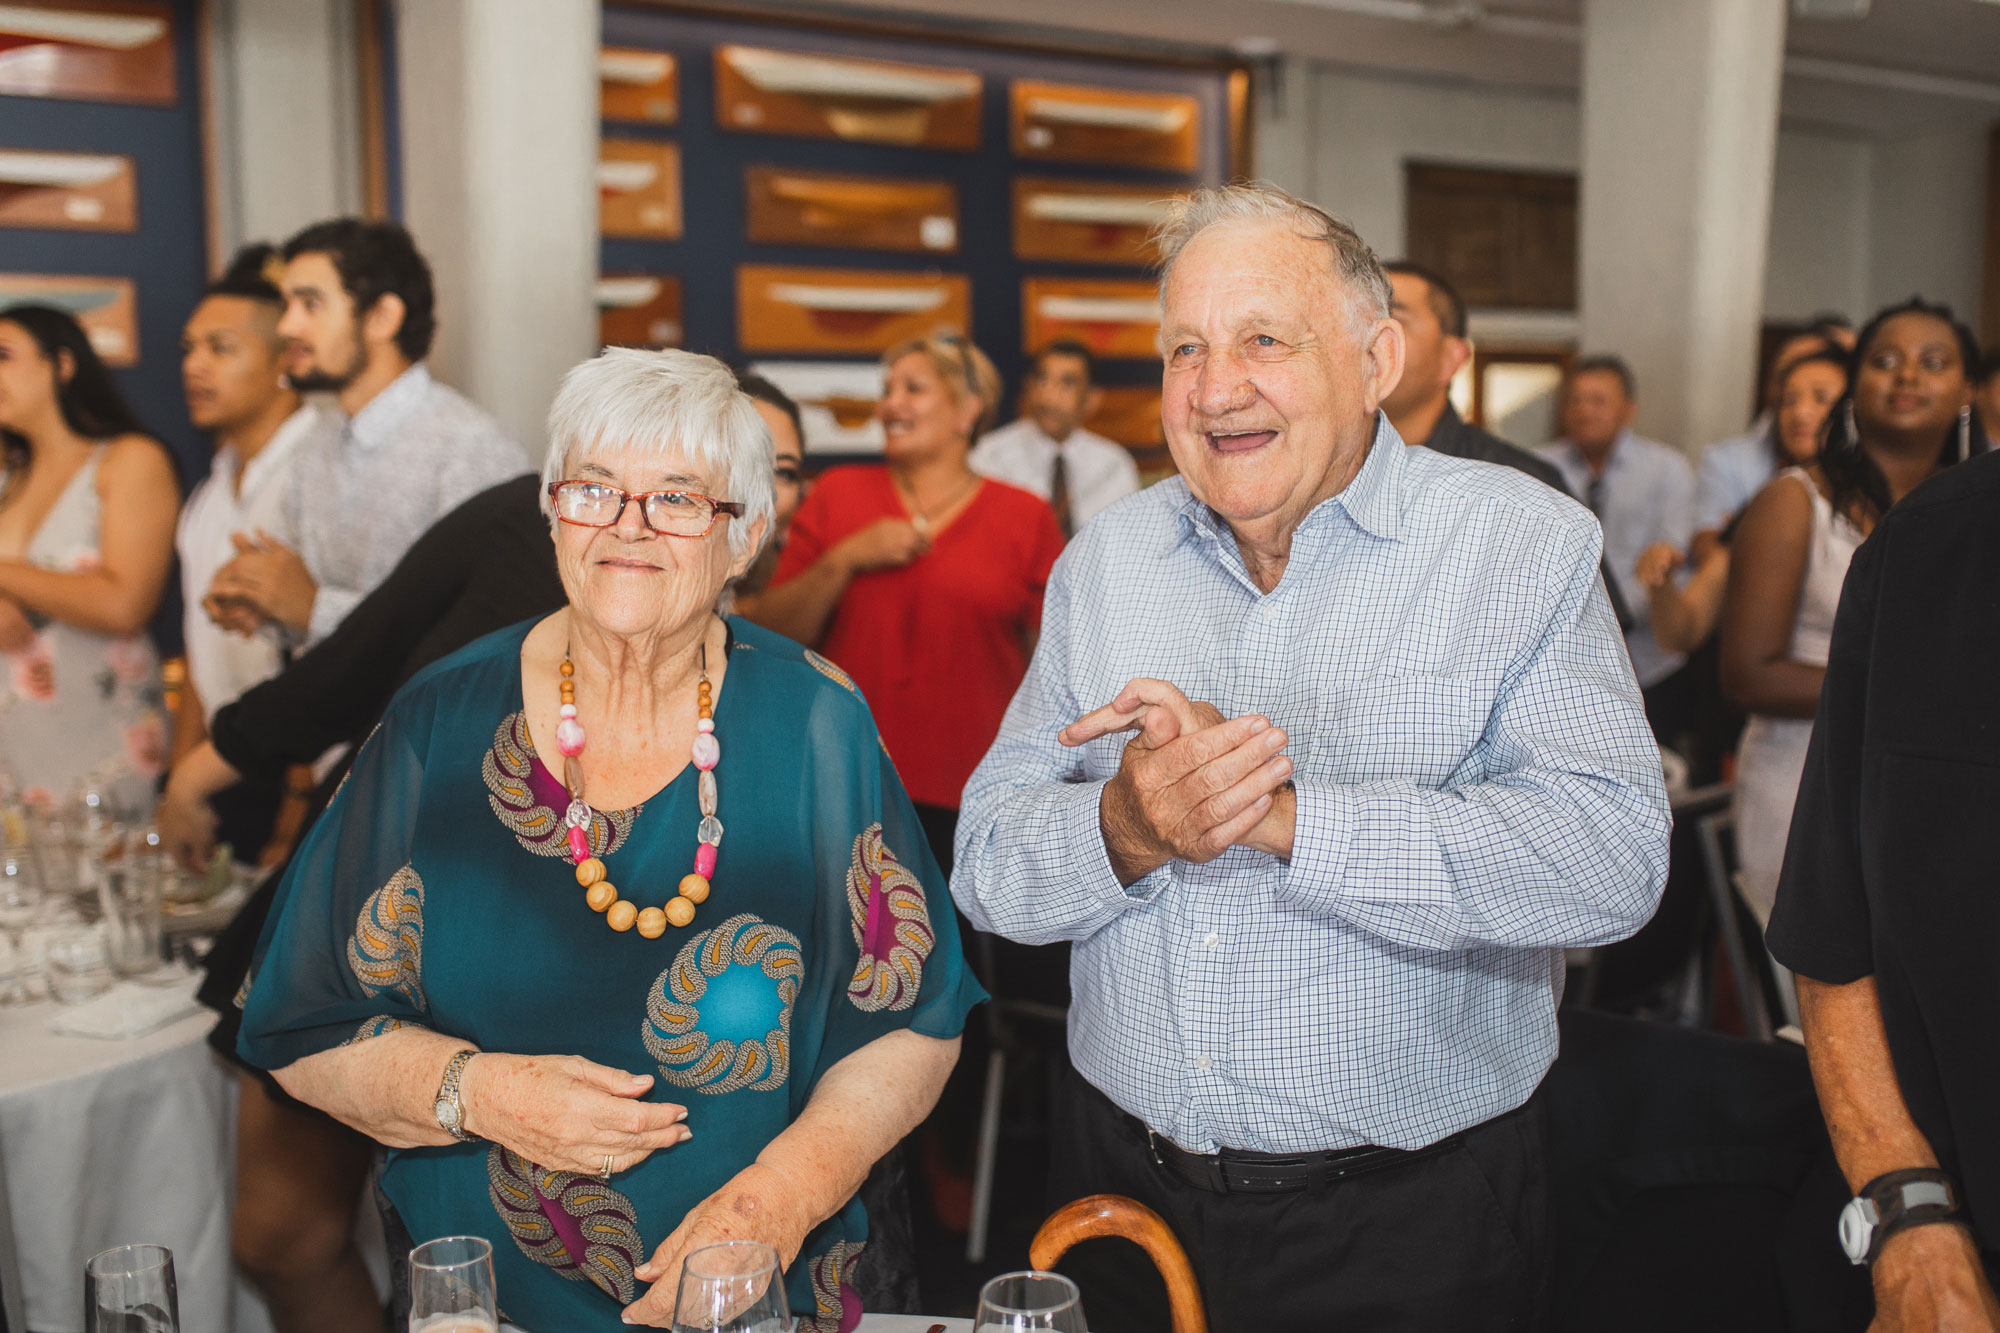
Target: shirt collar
(375, 424)
(1373, 500)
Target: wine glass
(451, 1287)
(131, 1290)
(734, 1287)
(20, 904)
(1019, 1302)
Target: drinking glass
(451, 1287)
(1018, 1302)
(733, 1287)
(20, 904)
(77, 962)
(130, 892)
(131, 1290)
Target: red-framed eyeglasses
(592, 504)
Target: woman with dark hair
(1685, 611)
(87, 510)
(1907, 414)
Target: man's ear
(384, 319)
(1457, 351)
(1385, 350)
(1093, 401)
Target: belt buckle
(1153, 1147)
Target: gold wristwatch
(450, 1111)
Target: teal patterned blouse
(437, 891)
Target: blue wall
(713, 161)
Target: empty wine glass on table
(451, 1287)
(1028, 1301)
(131, 1290)
(21, 899)
(734, 1287)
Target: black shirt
(1893, 866)
(1456, 436)
(482, 567)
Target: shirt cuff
(1323, 820)
(1079, 823)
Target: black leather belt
(1236, 1172)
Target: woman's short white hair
(630, 403)
(1354, 263)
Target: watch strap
(448, 1092)
(1908, 1198)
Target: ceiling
(1909, 67)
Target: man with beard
(358, 323)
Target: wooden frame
(787, 207)
(91, 51)
(1082, 222)
(1113, 317)
(638, 84)
(375, 193)
(1989, 302)
(639, 189)
(68, 191)
(106, 307)
(765, 90)
(1484, 358)
(640, 310)
(1129, 415)
(1070, 122)
(852, 311)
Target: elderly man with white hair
(519, 952)
(1389, 761)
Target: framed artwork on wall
(68, 191)
(785, 309)
(819, 96)
(639, 310)
(1084, 222)
(1060, 122)
(108, 308)
(90, 50)
(638, 85)
(836, 399)
(1113, 317)
(862, 212)
(639, 189)
(1129, 415)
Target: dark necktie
(1593, 496)
(1059, 496)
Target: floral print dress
(80, 709)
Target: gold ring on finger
(605, 1174)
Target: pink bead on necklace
(622, 914)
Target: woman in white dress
(1905, 416)
(87, 509)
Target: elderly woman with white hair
(519, 951)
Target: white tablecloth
(117, 1143)
(911, 1323)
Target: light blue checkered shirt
(1477, 788)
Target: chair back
(1115, 1215)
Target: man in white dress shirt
(1642, 492)
(232, 370)
(1048, 451)
(359, 317)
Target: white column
(499, 142)
(1680, 119)
(287, 114)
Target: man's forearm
(1870, 1124)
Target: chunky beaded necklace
(622, 914)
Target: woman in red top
(921, 579)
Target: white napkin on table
(125, 1011)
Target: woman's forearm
(201, 772)
(93, 599)
(1870, 1124)
(861, 1108)
(1781, 688)
(801, 607)
(1675, 626)
(385, 1087)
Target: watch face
(1857, 1229)
(447, 1114)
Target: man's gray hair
(1354, 264)
(627, 403)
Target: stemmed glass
(451, 1286)
(1020, 1302)
(20, 904)
(131, 1290)
(734, 1287)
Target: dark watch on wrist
(1895, 1202)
